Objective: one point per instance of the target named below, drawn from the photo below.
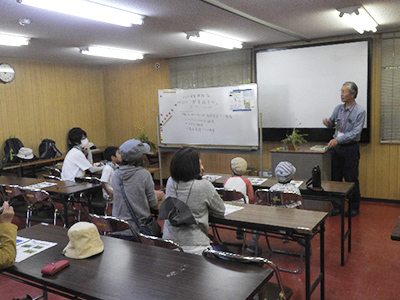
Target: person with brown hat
(238, 182)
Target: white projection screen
(298, 87)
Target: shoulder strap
(121, 184)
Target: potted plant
(143, 137)
(294, 139)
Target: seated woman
(134, 182)
(199, 195)
(8, 237)
(75, 162)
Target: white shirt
(237, 183)
(106, 176)
(75, 163)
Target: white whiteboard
(217, 116)
(299, 87)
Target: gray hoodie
(139, 189)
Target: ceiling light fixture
(88, 10)
(111, 52)
(213, 39)
(13, 40)
(358, 18)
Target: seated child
(113, 157)
(284, 173)
(75, 162)
(238, 182)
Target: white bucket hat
(84, 241)
(25, 153)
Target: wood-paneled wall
(45, 100)
(131, 94)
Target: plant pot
(291, 147)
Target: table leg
(322, 259)
(342, 234)
(349, 228)
(308, 268)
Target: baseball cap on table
(133, 149)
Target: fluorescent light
(13, 40)
(88, 10)
(358, 18)
(213, 39)
(112, 52)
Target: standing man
(348, 121)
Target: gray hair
(353, 88)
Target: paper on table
(211, 178)
(40, 185)
(229, 208)
(27, 248)
(296, 183)
(257, 181)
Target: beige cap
(239, 165)
(84, 241)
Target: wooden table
(396, 231)
(128, 270)
(302, 224)
(333, 190)
(63, 189)
(19, 167)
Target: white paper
(257, 181)
(40, 185)
(211, 178)
(296, 183)
(229, 208)
(28, 247)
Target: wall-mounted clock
(7, 73)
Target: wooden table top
(265, 218)
(396, 231)
(128, 270)
(11, 166)
(63, 188)
(333, 188)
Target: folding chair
(107, 225)
(230, 195)
(270, 290)
(98, 204)
(54, 173)
(40, 208)
(13, 194)
(287, 200)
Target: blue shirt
(349, 121)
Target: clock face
(7, 73)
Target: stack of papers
(257, 181)
(211, 178)
(321, 148)
(229, 208)
(28, 247)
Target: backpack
(48, 149)
(11, 148)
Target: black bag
(315, 181)
(11, 148)
(150, 227)
(48, 149)
(176, 212)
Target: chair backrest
(12, 191)
(230, 195)
(278, 198)
(53, 171)
(107, 224)
(51, 177)
(158, 242)
(32, 196)
(257, 261)
(87, 179)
